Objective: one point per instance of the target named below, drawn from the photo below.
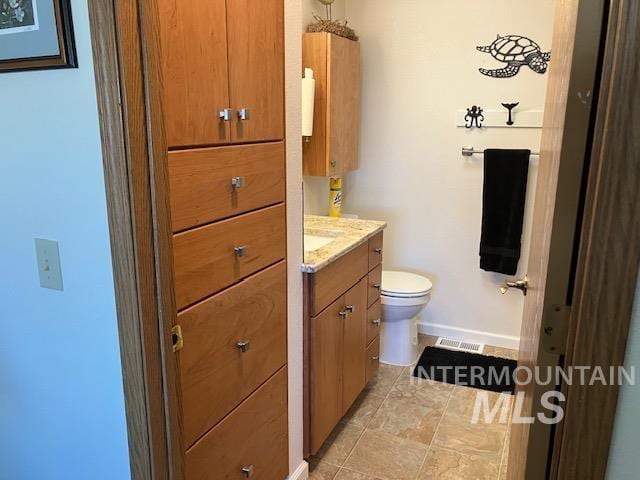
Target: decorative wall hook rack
(474, 117)
(510, 107)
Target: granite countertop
(341, 235)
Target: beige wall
(420, 66)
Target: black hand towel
(503, 199)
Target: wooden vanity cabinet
(223, 71)
(333, 148)
(342, 340)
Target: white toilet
(404, 296)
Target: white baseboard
(437, 330)
(301, 473)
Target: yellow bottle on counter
(335, 196)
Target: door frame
(129, 90)
(126, 55)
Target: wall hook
(510, 107)
(474, 117)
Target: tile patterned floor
(402, 428)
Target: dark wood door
(194, 63)
(256, 69)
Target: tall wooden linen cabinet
(223, 69)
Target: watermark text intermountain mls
(492, 407)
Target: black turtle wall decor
(516, 51)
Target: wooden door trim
(126, 47)
(609, 254)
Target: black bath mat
(467, 369)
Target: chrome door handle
(237, 182)
(240, 251)
(244, 114)
(247, 471)
(244, 346)
(522, 285)
(226, 114)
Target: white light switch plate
(49, 264)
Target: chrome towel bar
(469, 151)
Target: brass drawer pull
(237, 182)
(240, 251)
(247, 471)
(376, 322)
(244, 346)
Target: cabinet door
(256, 69)
(343, 104)
(194, 50)
(326, 373)
(355, 343)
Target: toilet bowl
(404, 295)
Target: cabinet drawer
(336, 278)
(375, 251)
(374, 317)
(216, 373)
(253, 435)
(375, 282)
(372, 358)
(205, 259)
(201, 182)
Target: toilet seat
(404, 285)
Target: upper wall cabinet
(223, 64)
(333, 148)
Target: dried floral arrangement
(336, 27)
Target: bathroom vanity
(343, 269)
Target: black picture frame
(67, 57)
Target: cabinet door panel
(355, 343)
(326, 373)
(256, 68)
(194, 66)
